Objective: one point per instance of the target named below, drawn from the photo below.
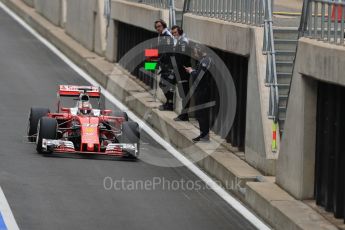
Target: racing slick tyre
(46, 129)
(121, 114)
(131, 135)
(34, 116)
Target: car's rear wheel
(121, 114)
(46, 129)
(131, 135)
(35, 115)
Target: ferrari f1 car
(82, 129)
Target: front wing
(114, 149)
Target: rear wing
(75, 91)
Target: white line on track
(240, 208)
(6, 213)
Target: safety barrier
(240, 11)
(271, 69)
(324, 20)
(156, 3)
(164, 4)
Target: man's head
(199, 51)
(84, 104)
(160, 25)
(176, 31)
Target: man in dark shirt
(182, 54)
(201, 78)
(165, 49)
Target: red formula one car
(82, 129)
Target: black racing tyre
(121, 114)
(46, 129)
(35, 115)
(131, 133)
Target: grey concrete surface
(81, 21)
(281, 210)
(137, 14)
(232, 37)
(258, 127)
(296, 163)
(50, 9)
(29, 2)
(111, 51)
(316, 61)
(322, 61)
(85, 23)
(67, 192)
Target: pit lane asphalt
(68, 192)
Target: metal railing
(240, 11)
(323, 20)
(156, 3)
(271, 67)
(163, 4)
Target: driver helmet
(85, 106)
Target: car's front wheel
(131, 135)
(121, 114)
(46, 129)
(35, 115)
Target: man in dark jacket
(201, 78)
(165, 49)
(182, 54)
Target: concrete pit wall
(86, 23)
(247, 41)
(316, 61)
(82, 19)
(139, 15)
(50, 9)
(29, 2)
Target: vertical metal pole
(217, 8)
(261, 10)
(237, 7)
(323, 12)
(229, 10)
(342, 25)
(329, 22)
(233, 4)
(316, 18)
(251, 11)
(310, 19)
(242, 10)
(336, 23)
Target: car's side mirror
(106, 112)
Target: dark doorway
(238, 67)
(330, 149)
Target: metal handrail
(156, 3)
(163, 4)
(239, 11)
(323, 20)
(271, 68)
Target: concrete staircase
(285, 41)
